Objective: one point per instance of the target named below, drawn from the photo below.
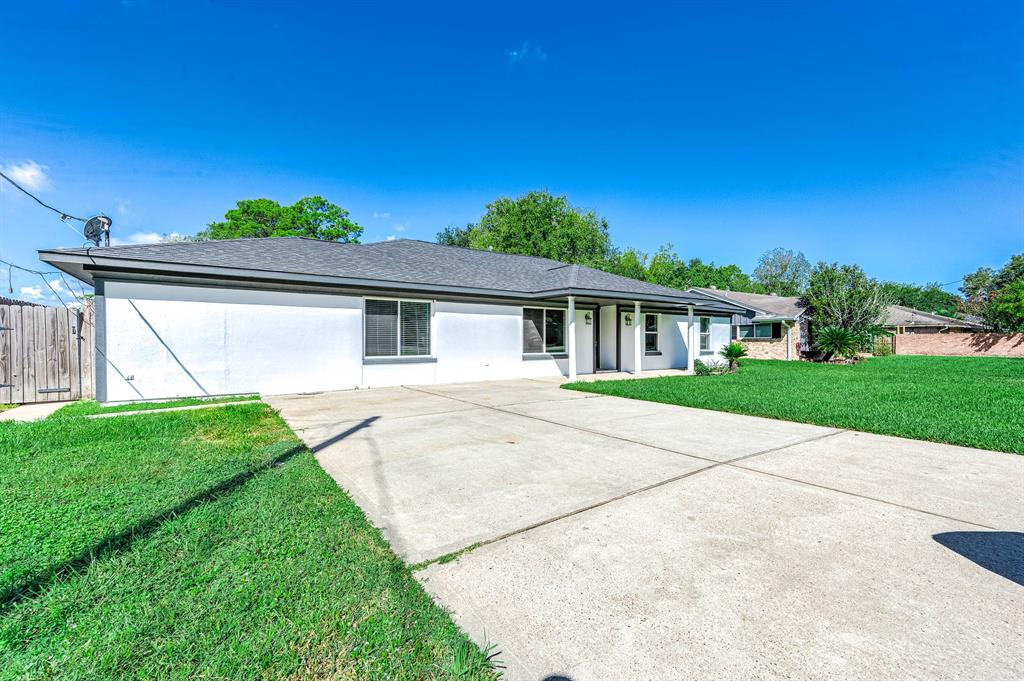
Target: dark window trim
(404, 359)
(652, 353)
(544, 332)
(398, 329)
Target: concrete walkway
(613, 538)
(31, 412)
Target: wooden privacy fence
(46, 353)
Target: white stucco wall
(170, 341)
(173, 341)
(672, 333)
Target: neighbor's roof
(898, 315)
(399, 264)
(766, 306)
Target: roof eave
(88, 266)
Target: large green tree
(666, 268)
(844, 296)
(537, 223)
(312, 216)
(782, 271)
(997, 296)
(927, 298)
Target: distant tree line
(542, 224)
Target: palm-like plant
(835, 340)
(733, 352)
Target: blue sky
(886, 134)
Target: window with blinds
(415, 328)
(397, 328)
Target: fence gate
(45, 353)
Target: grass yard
(89, 407)
(200, 544)
(971, 401)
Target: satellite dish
(97, 229)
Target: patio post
(638, 339)
(689, 338)
(571, 342)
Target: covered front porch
(636, 337)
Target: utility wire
(62, 214)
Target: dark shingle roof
(784, 307)
(403, 261)
(899, 315)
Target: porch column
(689, 338)
(571, 342)
(638, 339)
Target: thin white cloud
(527, 52)
(390, 238)
(399, 227)
(381, 215)
(32, 292)
(29, 175)
(121, 206)
(144, 238)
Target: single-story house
(286, 315)
(769, 326)
(900, 319)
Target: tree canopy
(927, 298)
(782, 271)
(312, 216)
(997, 296)
(844, 296)
(537, 223)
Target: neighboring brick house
(776, 327)
(900, 320)
(773, 327)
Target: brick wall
(961, 344)
(774, 348)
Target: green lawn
(971, 401)
(200, 544)
(88, 407)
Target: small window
(744, 330)
(651, 333)
(705, 334)
(763, 331)
(397, 328)
(543, 330)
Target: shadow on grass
(999, 552)
(123, 540)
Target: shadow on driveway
(1000, 552)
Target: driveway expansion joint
(731, 463)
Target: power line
(63, 216)
(26, 269)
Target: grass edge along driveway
(968, 401)
(204, 544)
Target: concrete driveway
(607, 538)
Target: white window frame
(398, 324)
(544, 331)
(656, 332)
(701, 334)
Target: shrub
(882, 346)
(837, 341)
(732, 353)
(708, 368)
